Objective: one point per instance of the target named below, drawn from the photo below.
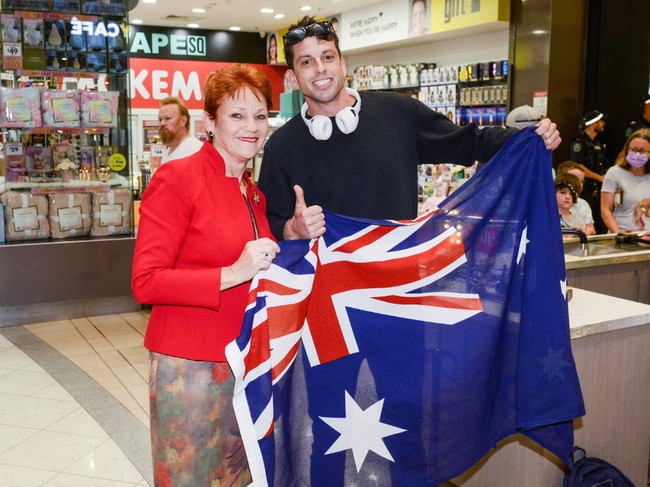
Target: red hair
(227, 82)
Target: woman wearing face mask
(626, 183)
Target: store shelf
(69, 130)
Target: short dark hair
(571, 182)
(304, 22)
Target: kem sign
(176, 44)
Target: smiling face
(418, 18)
(240, 128)
(273, 50)
(319, 72)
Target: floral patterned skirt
(195, 439)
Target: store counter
(603, 266)
(610, 342)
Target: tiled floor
(74, 403)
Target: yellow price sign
(117, 162)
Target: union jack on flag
(398, 353)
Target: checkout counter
(611, 343)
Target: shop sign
(456, 14)
(101, 29)
(374, 25)
(156, 42)
(173, 44)
(150, 81)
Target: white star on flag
(522, 244)
(361, 431)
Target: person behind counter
(626, 183)
(354, 153)
(567, 189)
(203, 235)
(581, 207)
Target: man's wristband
(643, 207)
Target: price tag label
(12, 49)
(14, 149)
(12, 55)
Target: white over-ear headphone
(347, 119)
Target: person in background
(203, 236)
(272, 53)
(643, 121)
(357, 154)
(567, 188)
(626, 183)
(419, 18)
(174, 120)
(523, 116)
(591, 153)
(581, 207)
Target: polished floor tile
(74, 403)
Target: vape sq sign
(172, 45)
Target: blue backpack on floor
(593, 472)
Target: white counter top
(591, 313)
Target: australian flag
(398, 353)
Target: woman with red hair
(203, 235)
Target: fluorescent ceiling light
(198, 10)
(235, 28)
(135, 21)
(149, 1)
(266, 10)
(305, 8)
(192, 26)
(278, 16)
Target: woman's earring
(211, 133)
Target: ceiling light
(266, 10)
(306, 8)
(235, 28)
(198, 10)
(149, 1)
(193, 26)
(278, 16)
(136, 21)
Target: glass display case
(67, 235)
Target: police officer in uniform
(590, 152)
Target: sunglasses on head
(320, 29)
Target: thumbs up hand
(308, 221)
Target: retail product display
(111, 213)
(60, 108)
(473, 93)
(69, 214)
(21, 107)
(398, 76)
(59, 135)
(26, 216)
(99, 108)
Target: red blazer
(193, 222)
